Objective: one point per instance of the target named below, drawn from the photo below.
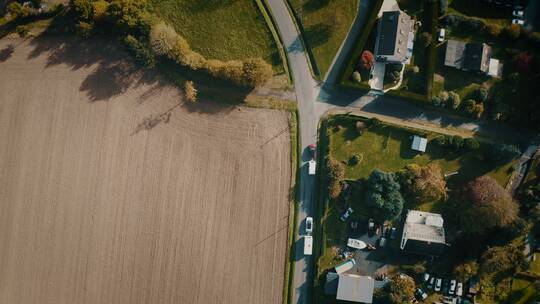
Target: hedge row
(347, 70)
(167, 42)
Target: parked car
(517, 13)
(420, 294)
(440, 36)
(518, 21)
(371, 227)
(459, 289)
(382, 242)
(312, 148)
(452, 289)
(393, 233)
(309, 225)
(438, 284)
(431, 283)
(425, 278)
(346, 215)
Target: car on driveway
(518, 21)
(346, 215)
(425, 278)
(517, 13)
(309, 225)
(431, 283)
(420, 294)
(440, 36)
(459, 289)
(438, 284)
(452, 289)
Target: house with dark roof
(474, 57)
(423, 233)
(395, 35)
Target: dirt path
(96, 209)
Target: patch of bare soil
(114, 191)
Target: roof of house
(331, 285)
(419, 143)
(467, 56)
(455, 53)
(355, 288)
(393, 34)
(477, 57)
(495, 68)
(424, 227)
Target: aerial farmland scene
(269, 151)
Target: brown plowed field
(112, 192)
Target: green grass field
(388, 148)
(225, 30)
(326, 24)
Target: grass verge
(325, 25)
(270, 21)
(293, 211)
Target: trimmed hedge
(346, 70)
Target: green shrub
(356, 77)
(503, 153)
(16, 10)
(142, 54)
(22, 30)
(493, 30)
(453, 100)
(471, 144)
(374, 122)
(481, 94)
(468, 106)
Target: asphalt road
(315, 99)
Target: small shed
(419, 143)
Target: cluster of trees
(22, 9)
(399, 290)
(335, 174)
(145, 36)
(383, 196)
(250, 72)
(392, 72)
(456, 142)
(423, 183)
(483, 198)
(473, 106)
(365, 64)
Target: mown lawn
(222, 29)
(326, 24)
(388, 148)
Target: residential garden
(325, 25)
(510, 97)
(462, 179)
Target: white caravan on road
(308, 245)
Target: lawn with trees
(460, 178)
(325, 25)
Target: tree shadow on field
(313, 5)
(110, 73)
(318, 34)
(6, 52)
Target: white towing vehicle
(312, 167)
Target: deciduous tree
(485, 199)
